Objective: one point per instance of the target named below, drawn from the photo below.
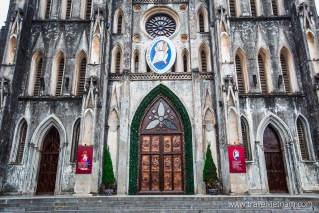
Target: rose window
(160, 25)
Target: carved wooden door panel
(274, 162)
(161, 151)
(49, 163)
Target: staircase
(162, 204)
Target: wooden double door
(161, 164)
(49, 163)
(274, 162)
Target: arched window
(79, 75)
(304, 139)
(60, 78)
(35, 74)
(253, 8)
(204, 60)
(232, 8)
(239, 72)
(22, 134)
(312, 46)
(245, 139)
(185, 61)
(202, 25)
(285, 72)
(274, 7)
(262, 74)
(75, 141)
(136, 61)
(118, 21)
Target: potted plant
(108, 178)
(210, 173)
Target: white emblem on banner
(161, 55)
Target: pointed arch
(264, 71)
(117, 55)
(79, 74)
(42, 129)
(186, 60)
(118, 24)
(306, 152)
(202, 17)
(75, 139)
(278, 124)
(19, 141)
(313, 53)
(35, 74)
(87, 128)
(11, 52)
(57, 74)
(288, 70)
(241, 71)
(225, 47)
(95, 53)
(134, 137)
(136, 61)
(245, 136)
(204, 56)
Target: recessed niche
(184, 37)
(182, 8)
(137, 38)
(137, 9)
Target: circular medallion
(161, 55)
(160, 25)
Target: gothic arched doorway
(161, 159)
(274, 161)
(49, 162)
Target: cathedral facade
(238, 73)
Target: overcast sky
(5, 5)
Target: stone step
(200, 204)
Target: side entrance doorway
(49, 163)
(274, 162)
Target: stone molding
(158, 1)
(152, 76)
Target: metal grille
(232, 8)
(68, 9)
(37, 78)
(88, 9)
(204, 62)
(239, 72)
(285, 74)
(302, 141)
(253, 8)
(160, 25)
(23, 135)
(159, 1)
(82, 77)
(274, 8)
(263, 81)
(47, 11)
(58, 90)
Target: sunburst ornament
(161, 55)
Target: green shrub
(209, 173)
(108, 175)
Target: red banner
(236, 156)
(84, 160)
